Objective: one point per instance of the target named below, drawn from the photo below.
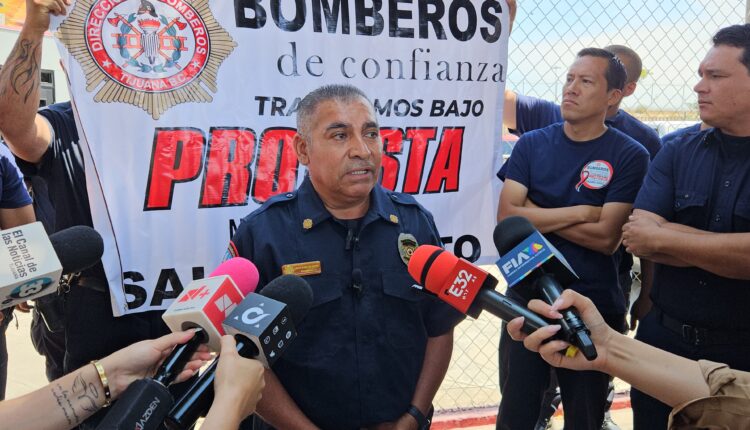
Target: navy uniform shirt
(559, 172)
(358, 354)
(59, 177)
(695, 128)
(13, 194)
(701, 180)
(533, 113)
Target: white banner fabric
(187, 111)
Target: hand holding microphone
(263, 326)
(534, 268)
(202, 306)
(550, 348)
(235, 397)
(142, 359)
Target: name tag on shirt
(302, 269)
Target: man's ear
(629, 89)
(615, 97)
(301, 147)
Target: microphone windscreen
(293, 291)
(78, 248)
(430, 265)
(242, 271)
(510, 232)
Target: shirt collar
(711, 137)
(611, 121)
(312, 211)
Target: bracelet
(422, 421)
(105, 383)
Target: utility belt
(701, 336)
(52, 306)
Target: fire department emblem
(153, 54)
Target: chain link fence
(671, 36)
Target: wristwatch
(423, 422)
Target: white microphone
(206, 303)
(31, 262)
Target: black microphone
(534, 268)
(77, 248)
(145, 403)
(263, 326)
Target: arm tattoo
(64, 403)
(86, 393)
(24, 68)
(82, 395)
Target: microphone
(37, 261)
(205, 303)
(466, 287)
(263, 326)
(78, 248)
(145, 403)
(534, 268)
(202, 305)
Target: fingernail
(557, 303)
(553, 328)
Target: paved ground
(25, 366)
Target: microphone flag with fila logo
(194, 103)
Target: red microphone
(466, 287)
(205, 303)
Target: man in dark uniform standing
(692, 217)
(576, 182)
(46, 146)
(372, 351)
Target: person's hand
(239, 381)
(641, 306)
(553, 352)
(38, 12)
(141, 359)
(638, 234)
(24, 307)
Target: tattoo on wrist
(63, 402)
(23, 68)
(82, 395)
(86, 393)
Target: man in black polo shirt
(47, 149)
(692, 217)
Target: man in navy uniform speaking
(372, 351)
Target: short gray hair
(308, 105)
